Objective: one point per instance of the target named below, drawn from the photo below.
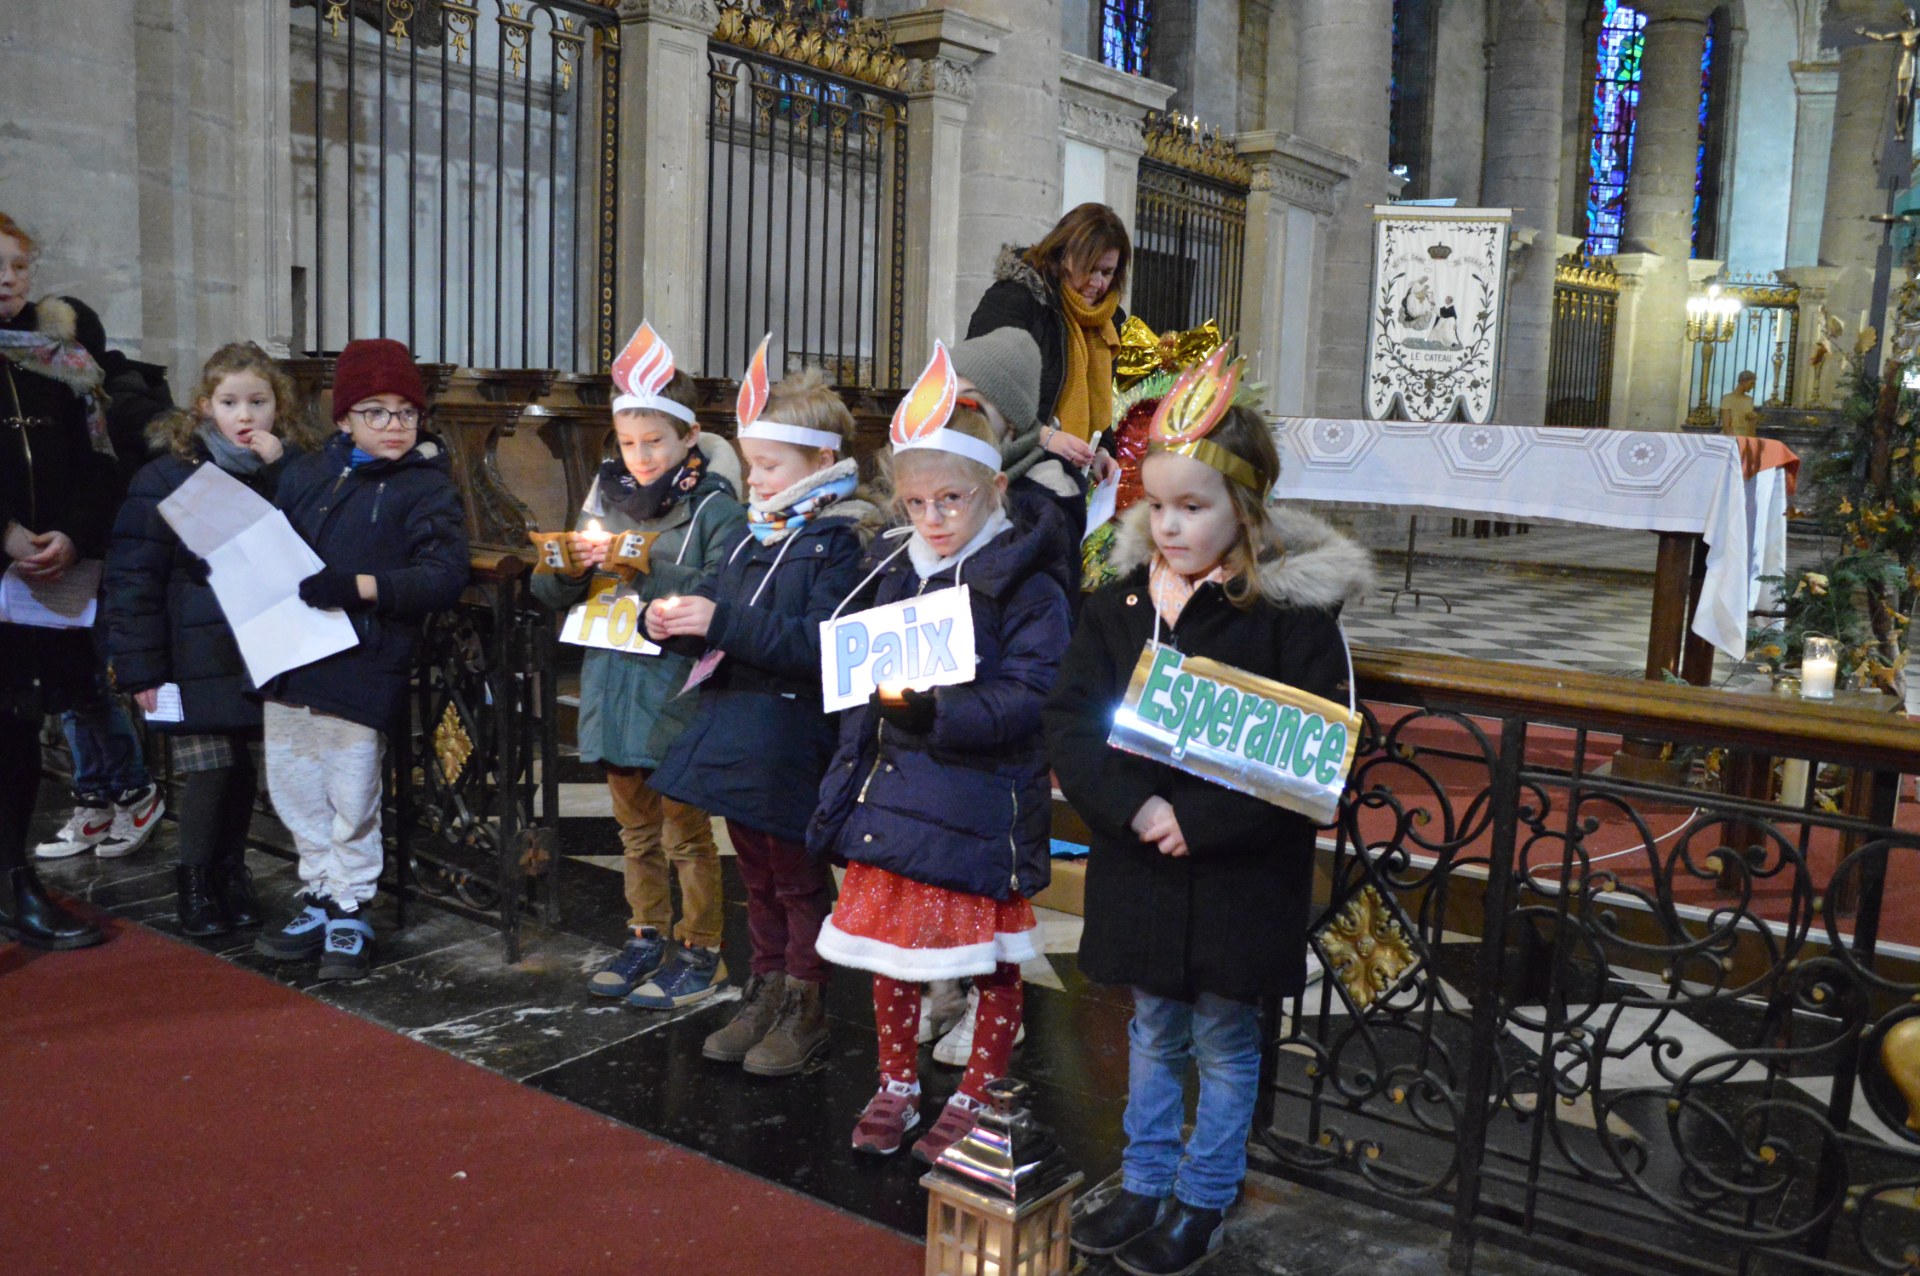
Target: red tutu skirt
(909, 930)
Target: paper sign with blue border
(920, 642)
(608, 618)
(1251, 734)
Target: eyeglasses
(948, 503)
(387, 418)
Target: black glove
(330, 587)
(913, 713)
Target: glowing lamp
(998, 1199)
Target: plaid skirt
(207, 751)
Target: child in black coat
(1197, 895)
(378, 505)
(165, 627)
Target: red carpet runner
(162, 1111)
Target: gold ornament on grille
(1900, 1056)
(1182, 141)
(856, 50)
(452, 746)
(1366, 947)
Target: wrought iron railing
(456, 179)
(1190, 228)
(806, 194)
(1765, 342)
(1586, 309)
(1641, 1028)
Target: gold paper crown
(1189, 411)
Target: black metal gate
(1586, 308)
(806, 195)
(1638, 1027)
(455, 174)
(1190, 229)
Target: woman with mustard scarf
(1065, 291)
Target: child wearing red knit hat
(378, 505)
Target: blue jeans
(1223, 1037)
(106, 753)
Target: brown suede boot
(798, 1033)
(759, 1006)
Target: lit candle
(893, 693)
(595, 532)
(1793, 782)
(1819, 669)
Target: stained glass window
(1124, 28)
(1700, 156)
(1616, 105)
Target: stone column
(663, 171)
(1814, 84)
(1296, 193)
(1814, 283)
(264, 164)
(944, 45)
(1856, 186)
(1522, 172)
(1010, 155)
(1102, 112)
(1196, 48)
(1659, 219)
(1346, 59)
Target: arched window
(1616, 106)
(1410, 92)
(1125, 26)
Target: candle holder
(999, 1199)
(553, 554)
(1819, 668)
(1710, 324)
(631, 554)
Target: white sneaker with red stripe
(83, 831)
(135, 815)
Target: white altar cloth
(1636, 479)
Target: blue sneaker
(693, 975)
(348, 952)
(302, 934)
(632, 966)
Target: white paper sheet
(1102, 502)
(68, 603)
(256, 562)
(166, 704)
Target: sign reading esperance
(920, 642)
(1251, 734)
(608, 619)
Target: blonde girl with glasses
(938, 799)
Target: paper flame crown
(921, 419)
(751, 401)
(1194, 406)
(641, 372)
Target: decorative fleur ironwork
(336, 14)
(1592, 273)
(567, 43)
(460, 18)
(859, 49)
(514, 34)
(400, 20)
(452, 746)
(1367, 947)
(1183, 142)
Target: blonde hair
(11, 229)
(807, 399)
(965, 421)
(680, 390)
(1245, 435)
(178, 430)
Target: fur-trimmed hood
(1012, 264)
(1321, 568)
(722, 461)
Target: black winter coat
(966, 806)
(163, 622)
(1021, 297)
(759, 740)
(51, 480)
(1230, 918)
(398, 521)
(136, 394)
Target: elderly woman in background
(1065, 291)
(57, 485)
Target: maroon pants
(789, 894)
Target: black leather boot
(1124, 1216)
(1181, 1242)
(200, 912)
(232, 883)
(26, 914)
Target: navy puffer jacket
(759, 739)
(162, 619)
(398, 521)
(967, 806)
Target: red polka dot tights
(896, 1014)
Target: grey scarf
(227, 454)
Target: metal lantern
(998, 1199)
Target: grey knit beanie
(1004, 365)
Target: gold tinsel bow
(1142, 353)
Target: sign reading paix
(920, 642)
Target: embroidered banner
(1433, 330)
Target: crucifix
(1909, 38)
